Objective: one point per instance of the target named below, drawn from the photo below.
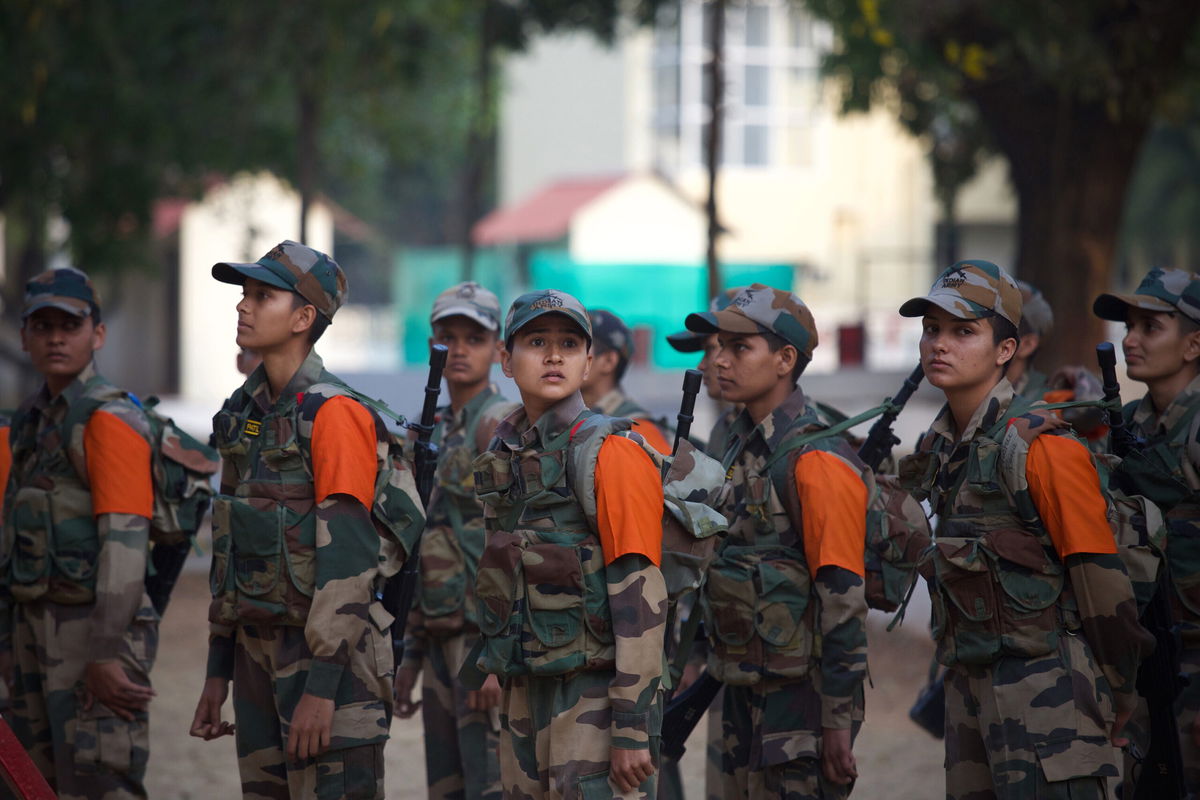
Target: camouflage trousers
(82, 753)
(714, 748)
(270, 668)
(461, 745)
(555, 739)
(771, 742)
(1029, 727)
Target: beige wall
(640, 220)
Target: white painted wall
(640, 220)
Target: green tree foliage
(1065, 90)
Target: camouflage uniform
(788, 640)
(1172, 444)
(1042, 651)
(296, 583)
(461, 744)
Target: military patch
(549, 301)
(253, 427)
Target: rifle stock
(399, 591)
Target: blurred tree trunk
(712, 155)
(306, 152)
(480, 139)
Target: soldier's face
(60, 345)
(959, 354)
(1157, 345)
(472, 349)
(549, 359)
(747, 369)
(268, 318)
(708, 365)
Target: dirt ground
(896, 759)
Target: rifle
(684, 711)
(399, 591)
(1158, 681)
(691, 388)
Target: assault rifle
(1158, 680)
(399, 591)
(683, 712)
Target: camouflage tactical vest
(541, 587)
(453, 541)
(997, 585)
(264, 534)
(50, 547)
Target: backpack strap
(97, 393)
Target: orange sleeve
(343, 451)
(629, 501)
(652, 435)
(5, 462)
(833, 507)
(118, 465)
(1066, 490)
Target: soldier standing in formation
(571, 599)
(461, 725)
(297, 556)
(1033, 612)
(612, 350)
(1162, 350)
(78, 634)
(790, 570)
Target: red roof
(544, 216)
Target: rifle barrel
(691, 388)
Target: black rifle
(166, 562)
(399, 591)
(691, 388)
(684, 711)
(1158, 681)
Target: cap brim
(470, 312)
(66, 304)
(918, 306)
(541, 312)
(687, 341)
(229, 272)
(1115, 307)
(728, 321)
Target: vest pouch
(554, 589)
(983, 468)
(29, 567)
(916, 473)
(74, 547)
(256, 549)
(281, 451)
(1032, 582)
(783, 603)
(970, 631)
(299, 527)
(218, 571)
(493, 478)
(497, 584)
(443, 582)
(1183, 555)
(227, 434)
(544, 481)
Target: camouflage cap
(65, 288)
(971, 290)
(1035, 311)
(297, 268)
(1161, 290)
(611, 333)
(468, 299)
(689, 342)
(532, 305)
(757, 309)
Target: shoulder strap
(583, 450)
(339, 388)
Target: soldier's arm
(117, 451)
(629, 501)
(833, 504)
(220, 637)
(347, 551)
(1065, 488)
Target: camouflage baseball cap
(532, 305)
(468, 299)
(1035, 311)
(971, 290)
(611, 333)
(297, 268)
(759, 309)
(65, 288)
(689, 342)
(1161, 290)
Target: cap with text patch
(971, 289)
(531, 305)
(1161, 290)
(297, 268)
(65, 288)
(468, 299)
(761, 309)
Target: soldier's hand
(402, 692)
(312, 723)
(629, 768)
(487, 697)
(107, 682)
(691, 673)
(207, 724)
(837, 758)
(1118, 725)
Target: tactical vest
(50, 546)
(541, 587)
(453, 542)
(997, 585)
(264, 535)
(759, 610)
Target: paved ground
(896, 759)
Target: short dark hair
(775, 343)
(95, 314)
(1187, 325)
(320, 323)
(622, 361)
(1003, 329)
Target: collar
(258, 388)
(68, 396)
(1032, 384)
(472, 407)
(517, 434)
(985, 417)
(775, 426)
(1183, 404)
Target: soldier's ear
(1191, 347)
(505, 361)
(99, 335)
